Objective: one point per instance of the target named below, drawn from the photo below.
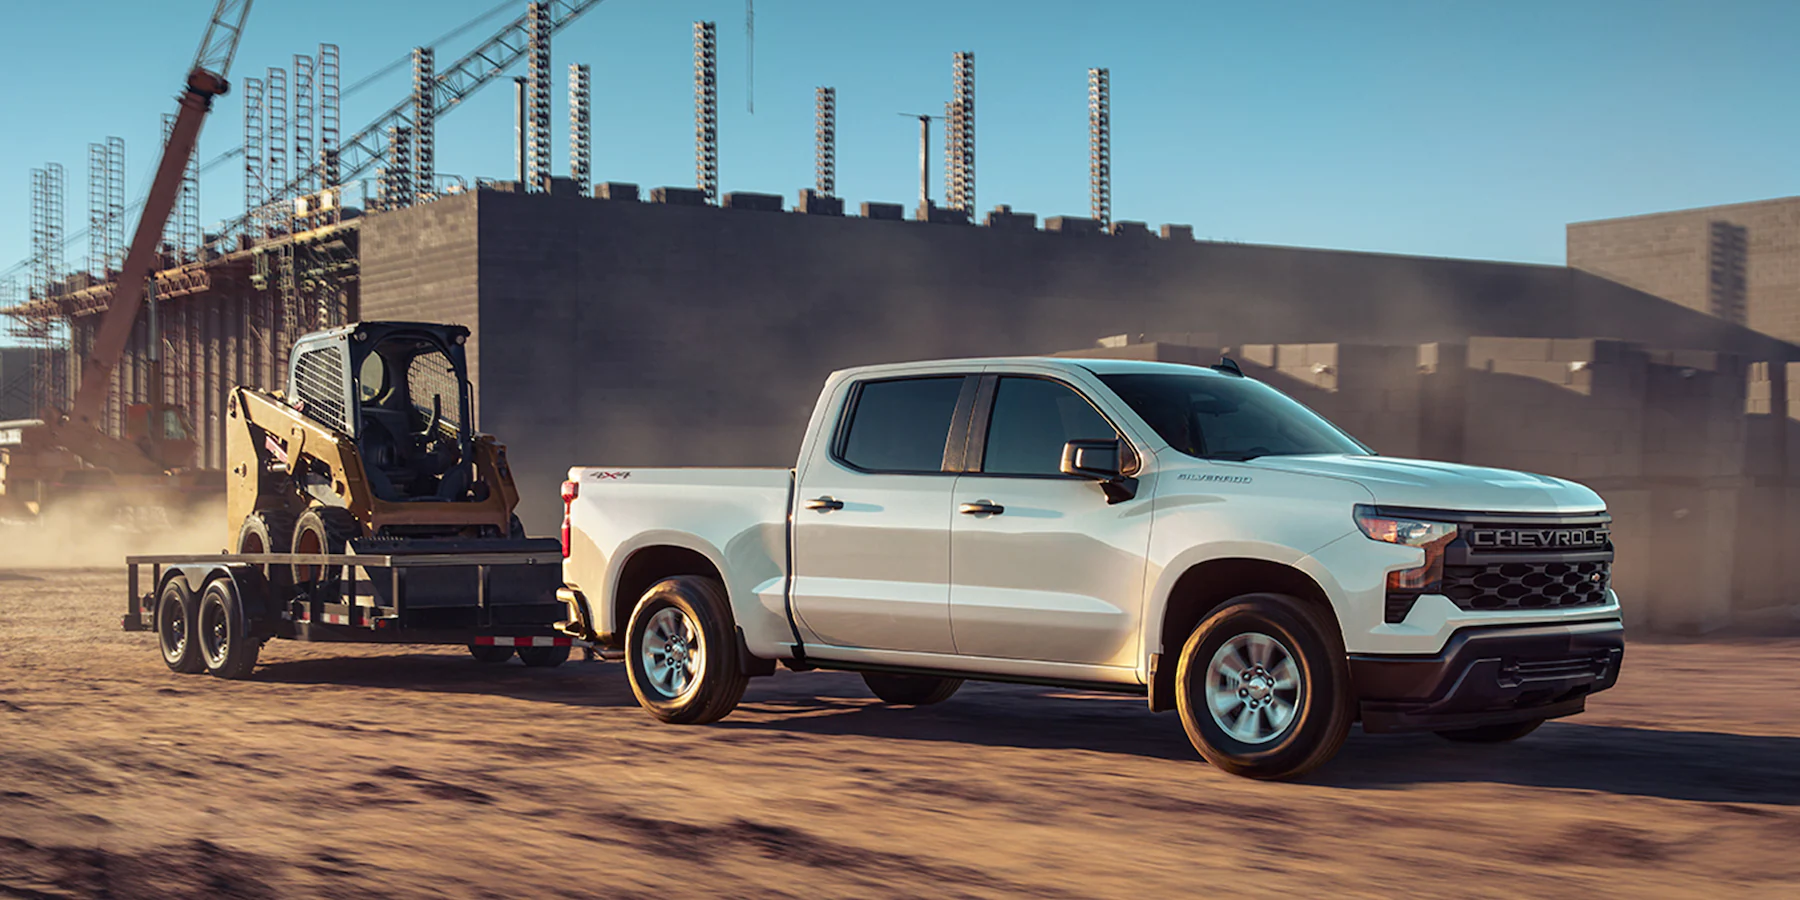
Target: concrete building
(1740, 262)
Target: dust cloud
(92, 533)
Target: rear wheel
(1492, 734)
(322, 529)
(544, 657)
(1264, 689)
(175, 610)
(910, 690)
(269, 531)
(681, 652)
(226, 643)
(490, 654)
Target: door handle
(824, 504)
(981, 507)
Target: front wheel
(1264, 689)
(1492, 734)
(681, 652)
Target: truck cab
(1182, 532)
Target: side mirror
(1104, 462)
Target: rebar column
(424, 123)
(1100, 146)
(99, 246)
(706, 110)
(304, 84)
(46, 228)
(825, 141)
(328, 115)
(520, 154)
(275, 166)
(537, 145)
(255, 193)
(115, 199)
(581, 128)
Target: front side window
(1033, 418)
(902, 425)
(1223, 417)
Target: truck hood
(1427, 484)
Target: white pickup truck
(1174, 531)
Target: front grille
(1521, 585)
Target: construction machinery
(361, 506)
(43, 461)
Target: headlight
(1432, 537)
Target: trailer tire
(322, 529)
(270, 531)
(1263, 687)
(226, 643)
(544, 657)
(910, 690)
(175, 635)
(681, 652)
(490, 654)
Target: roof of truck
(1096, 365)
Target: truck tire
(175, 637)
(910, 690)
(226, 642)
(1263, 687)
(490, 653)
(322, 529)
(270, 531)
(681, 652)
(544, 657)
(1492, 734)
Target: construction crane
(69, 449)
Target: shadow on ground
(575, 683)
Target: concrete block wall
(1572, 408)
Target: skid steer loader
(369, 452)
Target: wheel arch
(1205, 585)
(651, 560)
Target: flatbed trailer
(214, 613)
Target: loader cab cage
(400, 390)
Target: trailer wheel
(269, 531)
(681, 652)
(1263, 687)
(544, 657)
(322, 529)
(490, 654)
(224, 631)
(175, 610)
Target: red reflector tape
(491, 641)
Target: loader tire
(681, 652)
(224, 631)
(322, 529)
(270, 531)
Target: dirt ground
(343, 771)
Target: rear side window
(902, 425)
(1032, 419)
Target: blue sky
(1472, 129)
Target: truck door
(872, 527)
(1041, 566)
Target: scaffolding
(304, 87)
(424, 140)
(537, 175)
(959, 136)
(103, 240)
(394, 187)
(706, 110)
(1100, 145)
(328, 116)
(46, 229)
(581, 127)
(825, 141)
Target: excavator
(50, 462)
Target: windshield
(1228, 418)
